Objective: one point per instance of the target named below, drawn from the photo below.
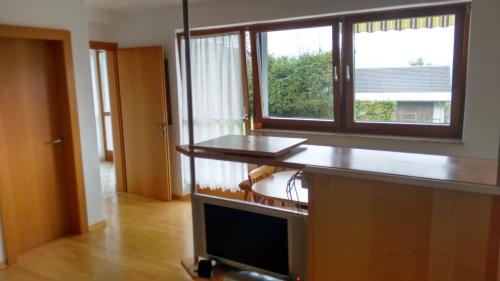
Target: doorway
(102, 105)
(131, 114)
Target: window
(398, 72)
(296, 72)
(405, 72)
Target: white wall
(101, 25)
(482, 114)
(70, 15)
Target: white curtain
(217, 106)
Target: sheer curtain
(217, 105)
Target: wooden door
(31, 138)
(145, 130)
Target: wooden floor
(145, 239)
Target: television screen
(248, 238)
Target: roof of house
(414, 79)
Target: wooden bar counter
(390, 216)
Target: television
(249, 236)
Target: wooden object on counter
(377, 231)
(250, 145)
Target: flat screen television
(249, 236)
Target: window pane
(109, 133)
(104, 82)
(296, 73)
(403, 70)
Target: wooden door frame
(71, 129)
(116, 115)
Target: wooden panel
(459, 237)
(108, 46)
(250, 145)
(375, 231)
(116, 121)
(7, 205)
(142, 97)
(30, 118)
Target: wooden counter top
(464, 174)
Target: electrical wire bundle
(291, 188)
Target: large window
(397, 72)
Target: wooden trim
(492, 262)
(257, 101)
(244, 81)
(6, 207)
(454, 130)
(98, 225)
(116, 122)
(405, 13)
(498, 167)
(3, 265)
(186, 197)
(167, 92)
(73, 154)
(167, 133)
(212, 31)
(294, 24)
(107, 46)
(292, 123)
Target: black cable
(291, 186)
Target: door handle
(56, 141)
(335, 74)
(348, 73)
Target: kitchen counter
(456, 173)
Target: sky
(377, 49)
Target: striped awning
(402, 24)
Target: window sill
(365, 136)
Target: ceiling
(125, 6)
